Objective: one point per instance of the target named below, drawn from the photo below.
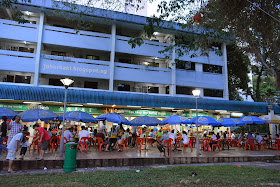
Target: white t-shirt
(259, 138)
(214, 137)
(151, 134)
(68, 135)
(173, 136)
(232, 136)
(185, 139)
(12, 144)
(83, 133)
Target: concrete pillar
(173, 73)
(198, 67)
(39, 48)
(161, 89)
(225, 71)
(112, 58)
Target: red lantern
(197, 17)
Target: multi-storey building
(34, 56)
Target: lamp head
(196, 93)
(66, 82)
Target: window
(92, 57)
(22, 79)
(187, 65)
(16, 79)
(125, 60)
(184, 90)
(55, 82)
(58, 53)
(212, 68)
(92, 85)
(213, 93)
(152, 89)
(124, 87)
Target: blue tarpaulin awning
(30, 92)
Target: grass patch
(170, 176)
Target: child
(24, 146)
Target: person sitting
(214, 140)
(84, 134)
(241, 138)
(250, 136)
(258, 138)
(68, 134)
(113, 138)
(233, 135)
(161, 146)
(124, 136)
(277, 137)
(100, 134)
(185, 138)
(173, 136)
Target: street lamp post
(196, 94)
(66, 82)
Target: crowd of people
(17, 138)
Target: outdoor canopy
(114, 118)
(78, 116)
(252, 120)
(146, 120)
(230, 122)
(9, 113)
(206, 120)
(36, 114)
(176, 120)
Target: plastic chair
(261, 144)
(140, 142)
(276, 144)
(185, 145)
(34, 144)
(100, 143)
(250, 144)
(168, 145)
(83, 143)
(236, 142)
(205, 145)
(123, 144)
(193, 140)
(218, 144)
(4, 143)
(53, 143)
(93, 142)
(172, 146)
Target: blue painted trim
(41, 93)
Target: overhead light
(236, 114)
(147, 108)
(146, 63)
(156, 58)
(156, 33)
(114, 105)
(177, 110)
(76, 105)
(28, 13)
(96, 104)
(66, 82)
(221, 111)
(169, 108)
(196, 93)
(6, 99)
(195, 109)
(25, 42)
(30, 102)
(133, 106)
(52, 102)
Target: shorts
(44, 145)
(11, 155)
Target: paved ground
(152, 152)
(267, 165)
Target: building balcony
(17, 61)
(15, 31)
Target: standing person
(3, 132)
(13, 148)
(15, 127)
(43, 140)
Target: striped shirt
(15, 128)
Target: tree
(238, 69)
